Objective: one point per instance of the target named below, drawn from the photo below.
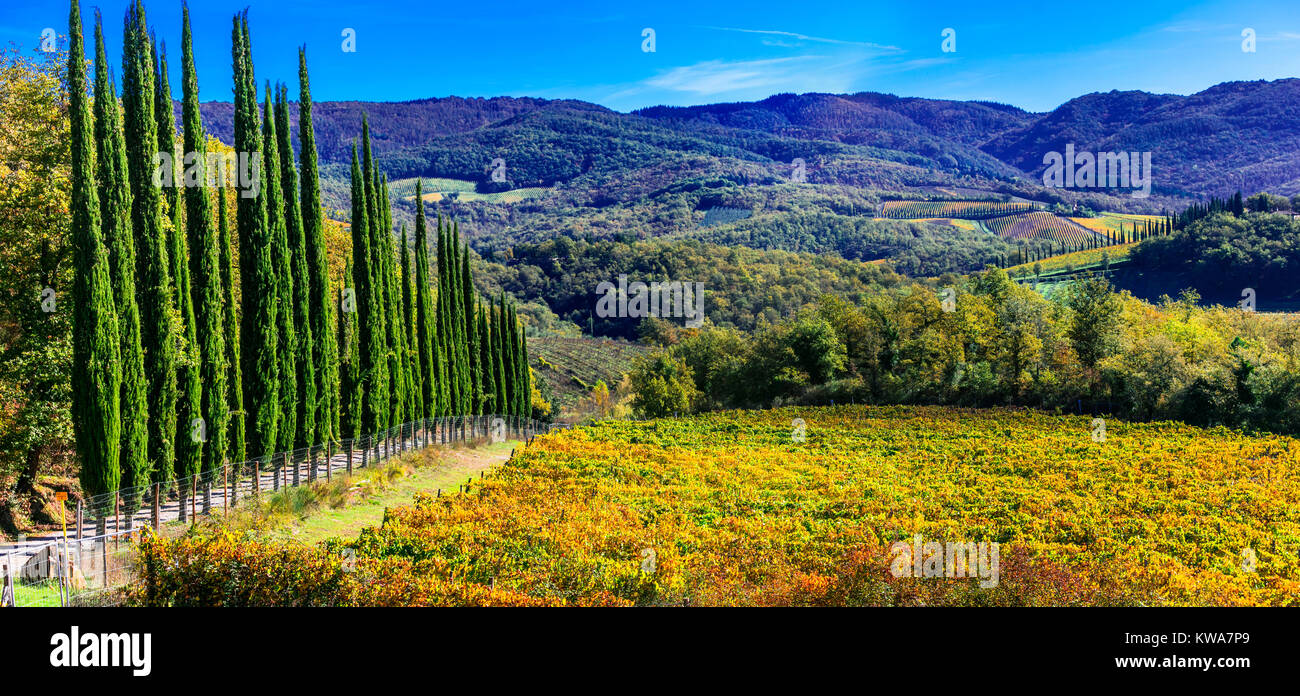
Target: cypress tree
(517, 362)
(283, 267)
(498, 360)
(399, 387)
(191, 434)
(349, 366)
(165, 117)
(258, 278)
(525, 375)
(379, 385)
(237, 448)
(158, 330)
(446, 391)
(426, 344)
(525, 387)
(509, 370)
(321, 309)
(464, 404)
(96, 352)
(411, 397)
(448, 368)
(474, 366)
(414, 374)
(489, 404)
(300, 263)
(190, 428)
(208, 304)
(371, 369)
(115, 221)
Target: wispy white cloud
(804, 37)
(717, 77)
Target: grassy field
(436, 189)
(1075, 261)
(735, 509)
(344, 506)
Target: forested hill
(1234, 135)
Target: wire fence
(68, 572)
(81, 567)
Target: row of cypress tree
(411, 353)
(172, 379)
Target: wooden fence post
(157, 492)
(194, 493)
(225, 491)
(257, 477)
(79, 524)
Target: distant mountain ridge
(1235, 135)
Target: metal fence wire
(96, 556)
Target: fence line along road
(62, 571)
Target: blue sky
(1034, 55)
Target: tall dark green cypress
(158, 329)
(401, 303)
(321, 308)
(350, 395)
(371, 367)
(474, 367)
(303, 341)
(115, 220)
(165, 118)
(415, 397)
(426, 350)
(498, 358)
(450, 289)
(455, 290)
(259, 340)
(393, 302)
(443, 363)
(393, 305)
(237, 449)
(208, 303)
(379, 384)
(525, 375)
(190, 427)
(489, 404)
(191, 430)
(516, 360)
(447, 367)
(96, 343)
(509, 370)
(282, 259)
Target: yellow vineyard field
(730, 509)
(735, 511)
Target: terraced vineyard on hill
(572, 366)
(1041, 225)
